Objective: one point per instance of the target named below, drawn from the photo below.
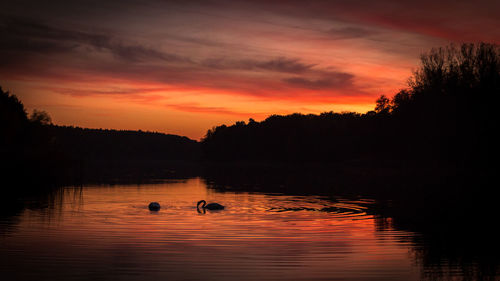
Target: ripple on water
(109, 233)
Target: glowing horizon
(182, 68)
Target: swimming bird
(154, 206)
(209, 206)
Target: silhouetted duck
(209, 206)
(154, 206)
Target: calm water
(108, 233)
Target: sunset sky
(182, 67)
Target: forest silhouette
(38, 153)
(444, 114)
(442, 124)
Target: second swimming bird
(209, 206)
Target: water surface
(108, 233)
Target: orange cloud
(184, 68)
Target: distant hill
(103, 153)
(123, 145)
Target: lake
(108, 233)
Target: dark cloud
(309, 84)
(350, 33)
(454, 20)
(280, 64)
(35, 37)
(37, 50)
(449, 19)
(283, 65)
(139, 53)
(334, 80)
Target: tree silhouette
(444, 119)
(40, 117)
(383, 105)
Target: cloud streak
(35, 37)
(213, 57)
(196, 108)
(280, 64)
(135, 62)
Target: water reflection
(107, 232)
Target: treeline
(36, 152)
(25, 148)
(97, 154)
(444, 119)
(327, 137)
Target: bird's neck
(200, 202)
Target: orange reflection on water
(109, 230)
